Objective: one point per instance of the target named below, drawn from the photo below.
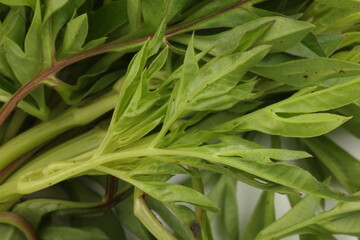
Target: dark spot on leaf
(143, 196)
(341, 71)
(315, 72)
(49, 183)
(188, 101)
(281, 41)
(305, 76)
(175, 162)
(236, 123)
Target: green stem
(18, 222)
(198, 185)
(76, 116)
(201, 215)
(145, 215)
(14, 126)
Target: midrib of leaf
(105, 48)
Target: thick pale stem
(146, 216)
(43, 132)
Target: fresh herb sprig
(106, 101)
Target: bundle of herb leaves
(105, 101)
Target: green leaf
(75, 35)
(53, 6)
(273, 119)
(341, 3)
(262, 216)
(167, 192)
(70, 233)
(170, 219)
(282, 34)
(301, 212)
(308, 72)
(194, 88)
(108, 223)
(134, 13)
(9, 232)
(231, 17)
(125, 213)
(354, 111)
(343, 166)
(346, 224)
(112, 16)
(34, 210)
(29, 3)
(223, 195)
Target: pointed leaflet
(262, 216)
(135, 70)
(301, 212)
(194, 86)
(341, 219)
(343, 166)
(74, 37)
(53, 6)
(270, 120)
(352, 125)
(308, 72)
(31, 56)
(223, 195)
